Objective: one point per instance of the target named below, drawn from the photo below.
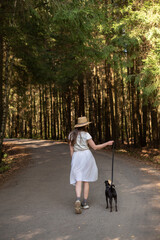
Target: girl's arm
(99, 146)
(71, 149)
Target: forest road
(38, 202)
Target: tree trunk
(64, 109)
(51, 115)
(122, 113)
(90, 100)
(25, 128)
(1, 92)
(107, 121)
(13, 126)
(81, 95)
(17, 119)
(76, 107)
(134, 120)
(109, 90)
(40, 112)
(44, 112)
(54, 114)
(144, 109)
(34, 114)
(69, 110)
(107, 115)
(47, 113)
(99, 110)
(6, 92)
(60, 117)
(139, 118)
(57, 114)
(9, 125)
(95, 108)
(116, 109)
(154, 121)
(30, 115)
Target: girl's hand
(110, 142)
(71, 150)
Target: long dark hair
(73, 135)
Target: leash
(113, 148)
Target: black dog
(110, 193)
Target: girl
(83, 166)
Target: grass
(4, 167)
(5, 164)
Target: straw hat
(82, 121)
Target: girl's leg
(86, 190)
(77, 205)
(78, 189)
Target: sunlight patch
(111, 238)
(145, 187)
(156, 201)
(122, 151)
(157, 228)
(150, 171)
(22, 218)
(30, 234)
(63, 238)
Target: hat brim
(82, 124)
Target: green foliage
(132, 35)
(150, 81)
(73, 26)
(5, 155)
(4, 167)
(53, 43)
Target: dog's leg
(106, 194)
(107, 201)
(110, 201)
(115, 199)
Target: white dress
(83, 165)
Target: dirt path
(37, 203)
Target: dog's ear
(109, 181)
(106, 182)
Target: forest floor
(146, 154)
(15, 158)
